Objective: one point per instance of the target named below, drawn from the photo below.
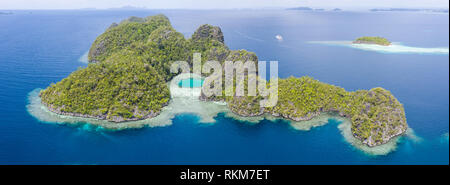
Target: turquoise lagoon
(191, 82)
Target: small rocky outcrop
(207, 31)
(378, 117)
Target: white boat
(279, 37)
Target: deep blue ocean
(41, 47)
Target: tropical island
(301, 8)
(129, 69)
(372, 40)
(409, 10)
(6, 13)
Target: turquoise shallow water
(42, 47)
(190, 83)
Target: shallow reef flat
(393, 48)
(306, 125)
(444, 138)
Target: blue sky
(222, 4)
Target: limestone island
(6, 13)
(129, 70)
(372, 40)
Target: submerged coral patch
(317, 121)
(444, 138)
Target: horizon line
(128, 7)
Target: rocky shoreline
(368, 42)
(370, 142)
(115, 119)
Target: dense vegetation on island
(372, 40)
(119, 36)
(130, 67)
(375, 114)
(123, 87)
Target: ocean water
(38, 48)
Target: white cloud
(216, 4)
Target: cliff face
(122, 35)
(207, 31)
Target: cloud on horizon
(222, 4)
